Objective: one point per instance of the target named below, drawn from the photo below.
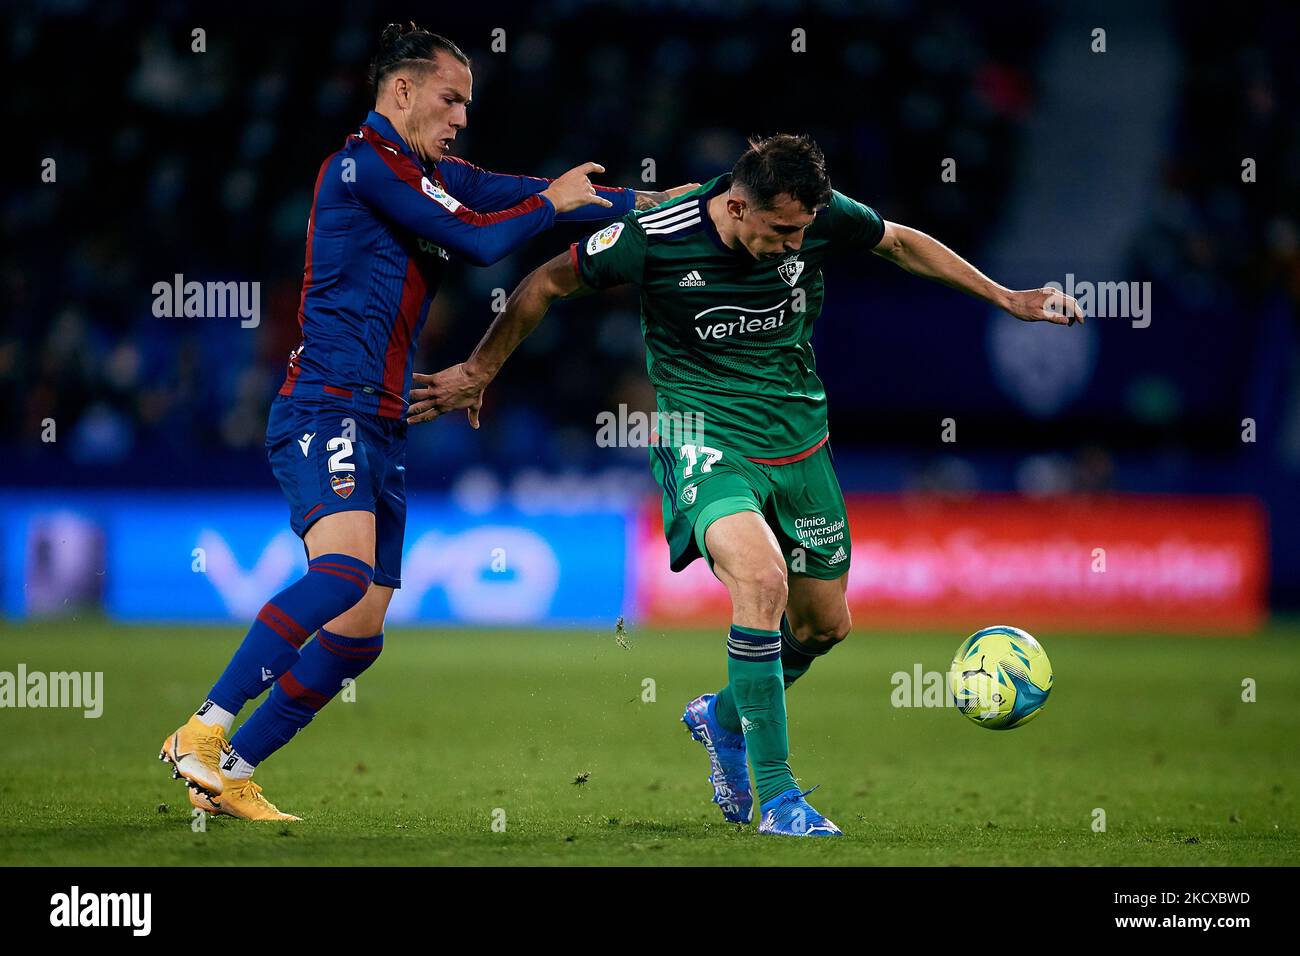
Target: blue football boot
(728, 765)
(789, 814)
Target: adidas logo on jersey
(691, 280)
(837, 557)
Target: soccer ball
(1000, 677)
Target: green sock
(725, 708)
(754, 672)
(795, 661)
(795, 657)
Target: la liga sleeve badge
(602, 240)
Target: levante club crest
(790, 271)
(342, 484)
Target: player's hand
(574, 190)
(443, 392)
(1044, 305)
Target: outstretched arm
(489, 191)
(461, 386)
(925, 256)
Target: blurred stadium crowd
(172, 161)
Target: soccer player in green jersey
(730, 275)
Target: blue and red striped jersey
(383, 227)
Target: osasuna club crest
(790, 270)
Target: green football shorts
(801, 502)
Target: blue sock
(304, 689)
(332, 584)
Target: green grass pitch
(452, 725)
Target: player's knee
(359, 621)
(843, 626)
(366, 617)
(763, 589)
(825, 632)
(364, 624)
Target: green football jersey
(727, 335)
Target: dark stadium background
(1099, 493)
(1126, 170)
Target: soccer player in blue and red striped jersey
(391, 210)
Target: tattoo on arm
(649, 199)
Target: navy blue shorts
(329, 459)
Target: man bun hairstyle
(400, 45)
(783, 164)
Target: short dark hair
(783, 164)
(400, 44)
